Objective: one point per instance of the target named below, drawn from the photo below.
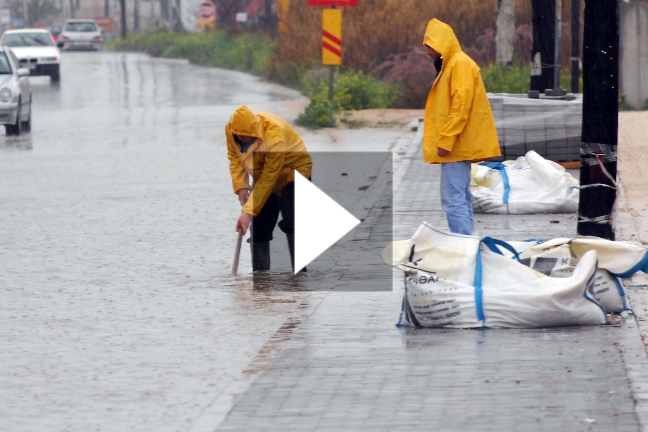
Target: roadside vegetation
(516, 78)
(246, 52)
(353, 90)
(381, 69)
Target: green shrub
(516, 78)
(512, 79)
(352, 90)
(318, 114)
(246, 53)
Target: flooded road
(116, 220)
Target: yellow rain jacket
(458, 116)
(270, 160)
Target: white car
(80, 34)
(35, 50)
(15, 94)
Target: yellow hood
(441, 38)
(458, 116)
(245, 122)
(271, 161)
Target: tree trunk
(575, 46)
(599, 137)
(505, 32)
(269, 22)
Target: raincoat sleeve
(240, 178)
(263, 187)
(462, 89)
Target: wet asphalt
(116, 228)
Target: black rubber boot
(260, 256)
(291, 249)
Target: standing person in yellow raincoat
(266, 147)
(459, 127)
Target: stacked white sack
(463, 282)
(531, 184)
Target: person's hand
(243, 195)
(442, 152)
(243, 223)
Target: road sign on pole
(333, 3)
(282, 15)
(332, 37)
(206, 15)
(5, 13)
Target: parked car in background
(55, 30)
(80, 34)
(35, 50)
(15, 94)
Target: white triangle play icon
(319, 222)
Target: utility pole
(152, 25)
(106, 8)
(269, 25)
(122, 18)
(544, 44)
(25, 14)
(598, 170)
(575, 46)
(178, 23)
(136, 16)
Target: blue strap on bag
(507, 187)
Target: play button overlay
(319, 222)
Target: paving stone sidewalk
(348, 368)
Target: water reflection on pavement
(117, 222)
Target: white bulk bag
(621, 258)
(607, 289)
(559, 257)
(531, 184)
(478, 287)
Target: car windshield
(27, 39)
(80, 27)
(5, 68)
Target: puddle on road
(22, 142)
(275, 290)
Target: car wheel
(26, 125)
(15, 129)
(56, 76)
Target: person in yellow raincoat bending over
(459, 128)
(267, 148)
